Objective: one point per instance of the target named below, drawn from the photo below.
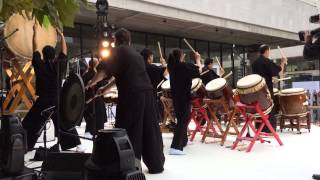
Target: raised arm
(198, 61)
(63, 42)
(35, 36)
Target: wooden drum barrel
(252, 89)
(293, 102)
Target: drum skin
(293, 105)
(198, 91)
(20, 43)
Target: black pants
(33, 123)
(95, 116)
(136, 112)
(180, 137)
(272, 120)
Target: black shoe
(316, 176)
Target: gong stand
(230, 116)
(20, 77)
(168, 110)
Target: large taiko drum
(20, 43)
(197, 89)
(166, 90)
(252, 89)
(111, 96)
(218, 88)
(293, 102)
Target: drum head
(165, 85)
(275, 90)
(216, 84)
(72, 102)
(292, 91)
(196, 83)
(249, 81)
(20, 43)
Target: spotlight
(105, 43)
(113, 44)
(104, 53)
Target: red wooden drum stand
(212, 103)
(198, 115)
(249, 123)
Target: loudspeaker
(13, 145)
(113, 158)
(64, 166)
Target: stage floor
(297, 159)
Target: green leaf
(46, 21)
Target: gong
(72, 102)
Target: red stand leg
(249, 120)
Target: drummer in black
(136, 108)
(181, 75)
(211, 74)
(266, 68)
(95, 111)
(156, 74)
(46, 89)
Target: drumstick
(187, 43)
(282, 79)
(205, 72)
(218, 61)
(228, 75)
(160, 83)
(91, 99)
(282, 54)
(160, 52)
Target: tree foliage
(57, 12)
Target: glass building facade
(81, 40)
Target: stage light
(104, 53)
(105, 43)
(113, 44)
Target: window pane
(72, 37)
(202, 48)
(171, 43)
(227, 62)
(138, 41)
(89, 40)
(238, 56)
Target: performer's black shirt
(311, 50)
(128, 68)
(181, 82)
(155, 74)
(46, 74)
(267, 69)
(209, 76)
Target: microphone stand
(1, 66)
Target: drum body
(276, 100)
(252, 89)
(197, 89)
(166, 90)
(112, 96)
(20, 43)
(293, 102)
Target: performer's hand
(284, 61)
(100, 92)
(307, 37)
(197, 56)
(221, 72)
(90, 84)
(163, 61)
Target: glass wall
(81, 39)
(170, 44)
